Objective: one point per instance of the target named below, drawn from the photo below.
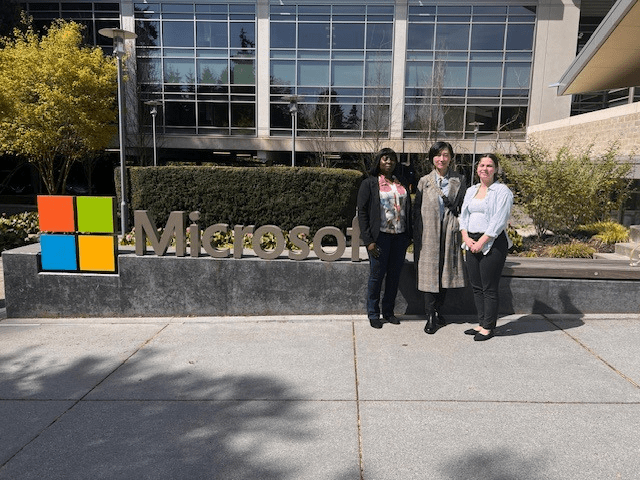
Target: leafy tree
(567, 189)
(57, 100)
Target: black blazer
(369, 209)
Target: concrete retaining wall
(185, 286)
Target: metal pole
(154, 112)
(294, 124)
(119, 36)
(476, 127)
(121, 134)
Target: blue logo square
(58, 252)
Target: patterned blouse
(393, 199)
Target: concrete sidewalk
(329, 398)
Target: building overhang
(611, 57)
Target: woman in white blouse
(483, 223)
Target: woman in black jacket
(384, 215)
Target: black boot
(431, 325)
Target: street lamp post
(476, 126)
(154, 112)
(119, 36)
(293, 110)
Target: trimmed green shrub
(281, 196)
(562, 191)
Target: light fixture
(293, 110)
(119, 36)
(154, 112)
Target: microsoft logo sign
(78, 233)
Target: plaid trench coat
(437, 244)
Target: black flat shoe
(392, 319)
(375, 322)
(481, 338)
(471, 331)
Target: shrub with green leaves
(281, 196)
(574, 249)
(17, 230)
(516, 239)
(569, 188)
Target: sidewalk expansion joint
(594, 354)
(357, 387)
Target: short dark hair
(385, 152)
(437, 147)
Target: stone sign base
(154, 286)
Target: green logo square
(95, 214)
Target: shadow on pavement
(87, 419)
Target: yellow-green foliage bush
(574, 249)
(516, 238)
(606, 232)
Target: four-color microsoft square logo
(78, 233)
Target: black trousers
(433, 301)
(484, 275)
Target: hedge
(281, 196)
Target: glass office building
(396, 71)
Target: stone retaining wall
(152, 286)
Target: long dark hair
(385, 152)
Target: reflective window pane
(313, 35)
(347, 74)
(379, 36)
(213, 72)
(455, 75)
(520, 37)
(149, 70)
(488, 116)
(419, 74)
(243, 115)
(348, 36)
(148, 34)
(420, 36)
(177, 34)
(180, 114)
(283, 35)
(243, 72)
(516, 75)
(212, 114)
(179, 71)
(242, 35)
(453, 118)
(487, 37)
(513, 118)
(283, 73)
(313, 73)
(485, 75)
(378, 73)
(452, 37)
(211, 34)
